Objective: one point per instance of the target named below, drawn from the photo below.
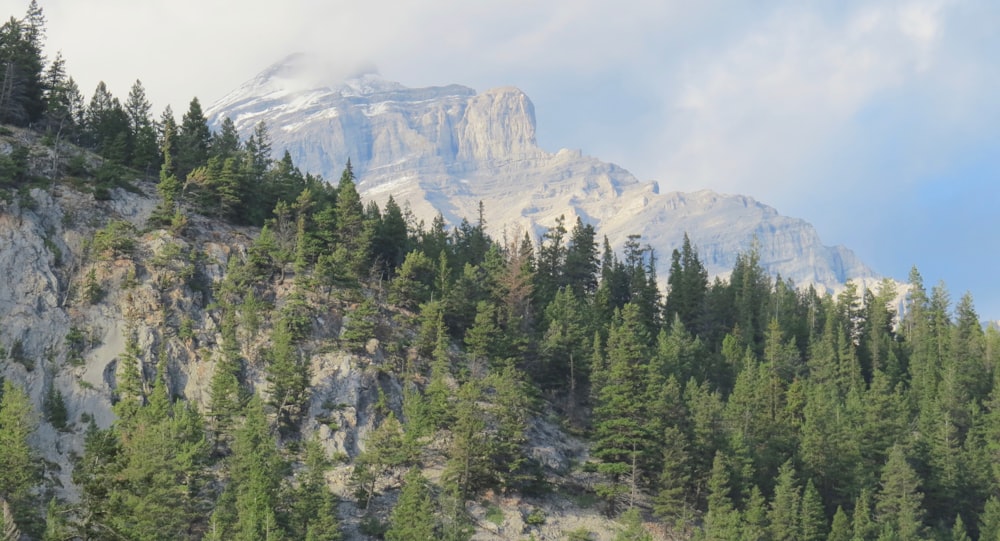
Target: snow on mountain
(444, 149)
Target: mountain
(445, 149)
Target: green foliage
(385, 449)
(92, 291)
(54, 407)
(19, 471)
(360, 325)
(115, 240)
(580, 534)
(634, 530)
(898, 502)
(536, 517)
(413, 517)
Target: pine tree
(786, 506)
(145, 154)
(687, 287)
(468, 467)
(169, 188)
(671, 501)
(193, 140)
(412, 284)
(314, 509)
(564, 348)
(863, 526)
(634, 530)
(256, 470)
(352, 244)
(385, 448)
(811, 517)
(226, 144)
(581, 265)
(989, 520)
(898, 503)
(413, 517)
(754, 524)
(621, 437)
(958, 531)
(507, 420)
(18, 463)
(840, 528)
(722, 520)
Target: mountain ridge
(445, 149)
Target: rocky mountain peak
(445, 149)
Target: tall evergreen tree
(193, 140)
(621, 436)
(145, 154)
(898, 504)
(413, 517)
(19, 472)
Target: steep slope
(445, 149)
(85, 278)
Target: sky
(878, 122)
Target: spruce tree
(722, 520)
(412, 518)
(621, 436)
(898, 505)
(754, 524)
(812, 519)
(193, 140)
(786, 506)
(314, 508)
(18, 463)
(840, 528)
(256, 470)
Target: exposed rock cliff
(84, 277)
(444, 149)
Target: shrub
(116, 239)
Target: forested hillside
(744, 409)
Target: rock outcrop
(445, 149)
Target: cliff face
(445, 149)
(69, 305)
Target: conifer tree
(145, 155)
(621, 437)
(840, 528)
(812, 520)
(413, 282)
(989, 520)
(634, 530)
(786, 506)
(754, 523)
(413, 517)
(193, 140)
(468, 467)
(256, 470)
(18, 464)
(385, 448)
(352, 247)
(169, 188)
(722, 520)
(314, 510)
(507, 420)
(863, 525)
(671, 502)
(958, 531)
(581, 266)
(687, 287)
(898, 503)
